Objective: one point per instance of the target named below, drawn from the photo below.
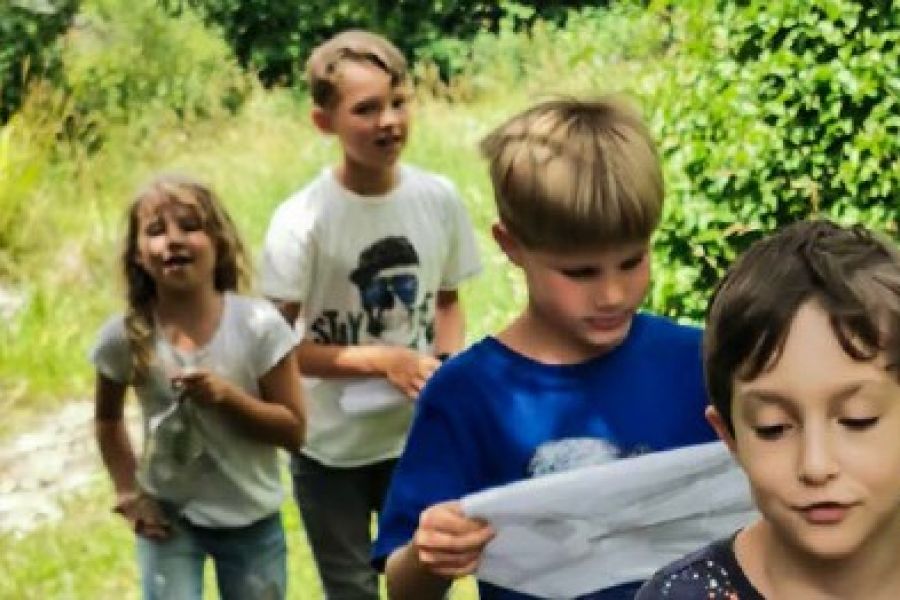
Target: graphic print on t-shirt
(556, 456)
(387, 279)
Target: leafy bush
(274, 37)
(28, 48)
(125, 60)
(791, 110)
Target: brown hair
(230, 274)
(323, 65)
(571, 174)
(851, 272)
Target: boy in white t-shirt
(368, 256)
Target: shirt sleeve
(288, 253)
(275, 338)
(111, 353)
(435, 465)
(463, 260)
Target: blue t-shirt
(491, 416)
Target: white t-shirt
(234, 479)
(366, 270)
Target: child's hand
(201, 385)
(447, 542)
(408, 370)
(144, 515)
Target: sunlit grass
(90, 554)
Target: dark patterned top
(711, 573)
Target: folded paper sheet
(572, 533)
(369, 395)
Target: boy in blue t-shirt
(579, 377)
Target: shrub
(28, 48)
(122, 61)
(792, 109)
(274, 37)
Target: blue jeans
(250, 561)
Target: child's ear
(718, 423)
(321, 118)
(508, 243)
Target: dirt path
(39, 468)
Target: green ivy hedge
(776, 112)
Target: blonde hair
(231, 271)
(570, 174)
(322, 67)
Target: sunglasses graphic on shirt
(379, 292)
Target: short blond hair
(322, 67)
(572, 174)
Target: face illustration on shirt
(388, 283)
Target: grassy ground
(91, 555)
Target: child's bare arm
(446, 545)
(449, 323)
(140, 510)
(278, 417)
(112, 436)
(405, 368)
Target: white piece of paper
(368, 395)
(572, 533)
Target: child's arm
(118, 456)
(406, 369)
(278, 417)
(446, 545)
(449, 323)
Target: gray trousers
(336, 506)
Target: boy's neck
(365, 181)
(535, 339)
(778, 570)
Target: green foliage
(27, 146)
(792, 110)
(123, 62)
(547, 57)
(274, 37)
(28, 45)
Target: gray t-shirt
(195, 455)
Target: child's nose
(609, 292)
(817, 463)
(175, 235)
(390, 117)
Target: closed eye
(770, 432)
(366, 108)
(579, 273)
(632, 263)
(858, 424)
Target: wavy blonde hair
(231, 272)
